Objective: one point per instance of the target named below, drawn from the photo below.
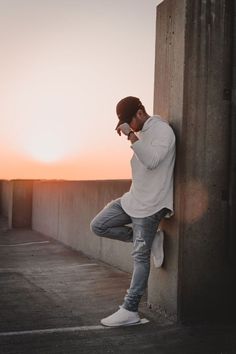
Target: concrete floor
(52, 299)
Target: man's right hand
(123, 128)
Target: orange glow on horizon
(64, 67)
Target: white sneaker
(157, 250)
(122, 317)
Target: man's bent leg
(110, 222)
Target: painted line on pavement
(65, 329)
(24, 243)
(84, 265)
(27, 271)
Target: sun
(46, 147)
(45, 154)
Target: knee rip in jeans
(140, 249)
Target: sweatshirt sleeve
(151, 153)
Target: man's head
(131, 110)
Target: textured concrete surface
(232, 186)
(6, 200)
(46, 285)
(193, 82)
(64, 210)
(22, 203)
(16, 202)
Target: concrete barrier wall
(22, 203)
(1, 196)
(6, 200)
(64, 209)
(16, 202)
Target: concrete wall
(63, 210)
(16, 202)
(6, 200)
(22, 203)
(1, 196)
(192, 90)
(232, 248)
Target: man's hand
(124, 128)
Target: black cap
(126, 109)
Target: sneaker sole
(142, 321)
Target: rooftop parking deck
(52, 299)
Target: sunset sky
(64, 66)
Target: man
(149, 199)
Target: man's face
(135, 123)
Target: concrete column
(233, 153)
(22, 204)
(1, 196)
(6, 200)
(193, 81)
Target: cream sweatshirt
(152, 167)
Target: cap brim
(119, 123)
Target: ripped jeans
(112, 222)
